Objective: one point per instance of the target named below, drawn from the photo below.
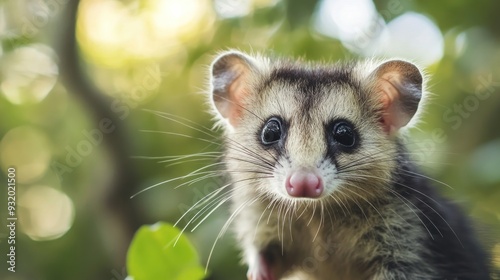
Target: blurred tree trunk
(117, 208)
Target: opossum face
(306, 132)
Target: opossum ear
(397, 86)
(232, 75)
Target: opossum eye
(271, 133)
(343, 133)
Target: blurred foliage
(152, 54)
(160, 251)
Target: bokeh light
(124, 32)
(231, 8)
(362, 30)
(355, 23)
(28, 150)
(29, 73)
(45, 213)
(412, 36)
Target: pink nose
(304, 184)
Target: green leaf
(153, 256)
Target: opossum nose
(304, 184)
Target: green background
(132, 58)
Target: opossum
(322, 184)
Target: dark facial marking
(313, 82)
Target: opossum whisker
(281, 216)
(176, 157)
(339, 202)
(209, 201)
(218, 173)
(403, 199)
(224, 200)
(257, 163)
(196, 215)
(320, 221)
(241, 106)
(194, 173)
(206, 175)
(268, 152)
(180, 135)
(228, 222)
(285, 220)
(292, 214)
(199, 179)
(444, 220)
(423, 194)
(247, 151)
(215, 201)
(202, 202)
(367, 159)
(427, 177)
(312, 215)
(304, 208)
(183, 121)
(329, 214)
(208, 155)
(258, 221)
(356, 202)
(333, 196)
(280, 208)
(372, 158)
(197, 160)
(274, 205)
(170, 117)
(374, 208)
(251, 154)
(231, 194)
(433, 200)
(363, 161)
